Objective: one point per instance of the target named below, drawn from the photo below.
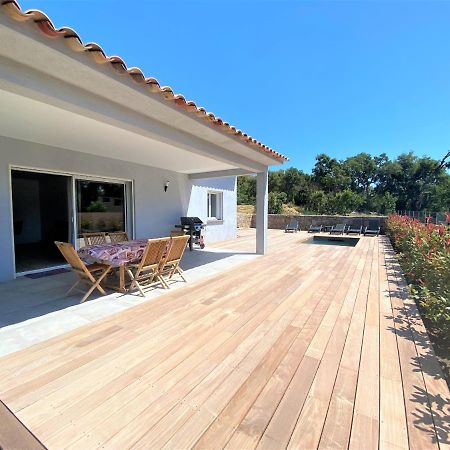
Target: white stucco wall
(215, 230)
(155, 211)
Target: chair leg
(96, 285)
(130, 274)
(180, 272)
(134, 282)
(100, 279)
(163, 281)
(139, 288)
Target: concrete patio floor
(33, 310)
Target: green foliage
(344, 202)
(276, 201)
(424, 254)
(384, 203)
(318, 201)
(96, 206)
(361, 182)
(246, 190)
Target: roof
(149, 84)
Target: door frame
(129, 206)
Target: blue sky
(303, 77)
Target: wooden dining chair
(171, 263)
(118, 236)
(92, 274)
(147, 272)
(94, 238)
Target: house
(88, 144)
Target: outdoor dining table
(117, 255)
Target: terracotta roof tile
(45, 25)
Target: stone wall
(279, 221)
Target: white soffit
(29, 120)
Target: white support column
(261, 211)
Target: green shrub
(424, 255)
(276, 200)
(96, 206)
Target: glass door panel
(42, 215)
(100, 206)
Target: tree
(363, 173)
(291, 183)
(317, 201)
(360, 182)
(276, 201)
(384, 203)
(329, 174)
(246, 190)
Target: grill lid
(191, 221)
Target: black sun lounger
(315, 227)
(355, 226)
(373, 229)
(292, 226)
(338, 228)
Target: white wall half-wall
(153, 211)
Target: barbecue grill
(193, 226)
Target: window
(100, 207)
(215, 205)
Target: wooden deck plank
(309, 426)
(365, 425)
(336, 429)
(393, 428)
(259, 311)
(282, 424)
(420, 421)
(114, 424)
(229, 419)
(310, 346)
(253, 425)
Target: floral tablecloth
(116, 255)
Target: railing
(427, 216)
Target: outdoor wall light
(166, 185)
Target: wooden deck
(311, 346)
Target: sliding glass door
(42, 214)
(50, 206)
(100, 206)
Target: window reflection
(100, 207)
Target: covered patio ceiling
(30, 120)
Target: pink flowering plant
(424, 255)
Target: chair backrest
(177, 249)
(71, 256)
(340, 226)
(293, 223)
(94, 238)
(155, 251)
(356, 223)
(314, 223)
(118, 236)
(374, 224)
